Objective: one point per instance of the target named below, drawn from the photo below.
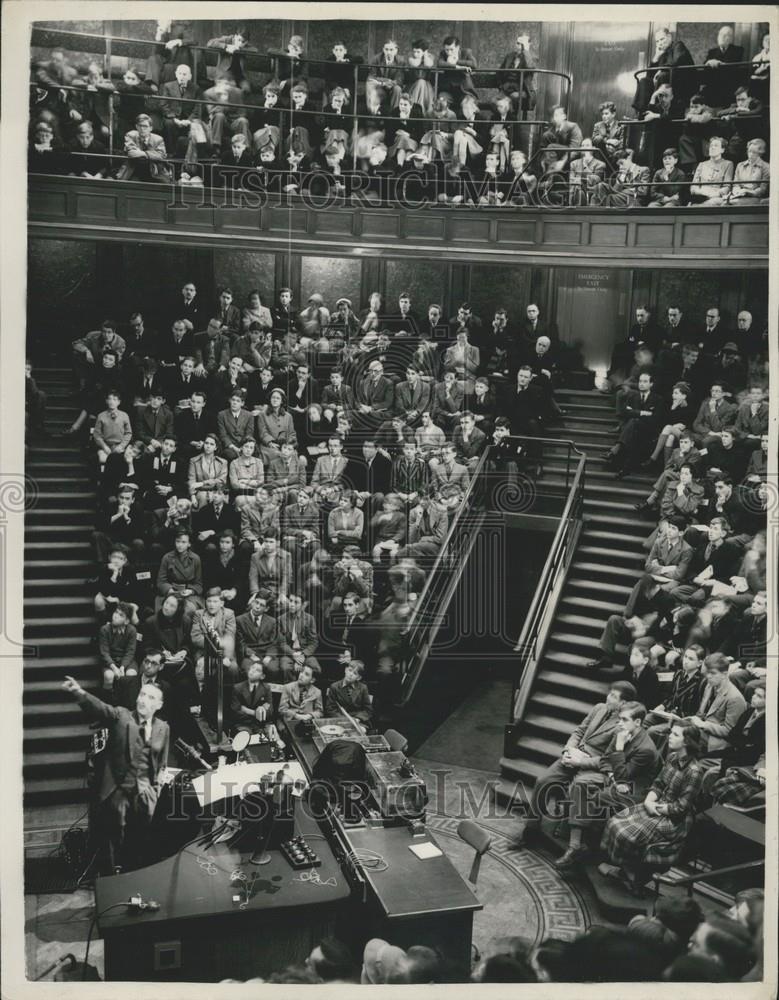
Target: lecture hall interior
(396, 602)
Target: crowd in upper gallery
(425, 125)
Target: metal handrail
(350, 117)
(713, 872)
(528, 642)
(442, 552)
(695, 66)
(415, 645)
(686, 121)
(273, 54)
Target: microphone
(69, 958)
(193, 753)
(137, 902)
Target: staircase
(58, 610)
(607, 562)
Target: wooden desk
(200, 933)
(414, 901)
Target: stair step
(51, 691)
(589, 397)
(80, 518)
(64, 483)
(591, 686)
(597, 553)
(74, 735)
(621, 542)
(596, 506)
(509, 790)
(44, 642)
(522, 771)
(607, 588)
(597, 470)
(54, 791)
(71, 761)
(572, 639)
(569, 707)
(44, 534)
(80, 667)
(539, 746)
(68, 710)
(66, 584)
(600, 608)
(583, 622)
(550, 724)
(629, 519)
(41, 569)
(582, 568)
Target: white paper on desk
(425, 851)
(238, 779)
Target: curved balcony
(72, 208)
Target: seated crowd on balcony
(700, 136)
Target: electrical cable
(365, 858)
(94, 920)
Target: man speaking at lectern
(136, 753)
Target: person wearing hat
(146, 154)
(343, 327)
(731, 368)
(315, 318)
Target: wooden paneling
(406, 32)
(700, 36)
(563, 232)
(152, 274)
(332, 277)
(374, 224)
(492, 287)
(425, 226)
(609, 234)
(659, 238)
(748, 235)
(654, 235)
(338, 223)
(141, 210)
(699, 234)
(466, 227)
(322, 35)
(516, 232)
(425, 281)
(245, 271)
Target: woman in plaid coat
(649, 837)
